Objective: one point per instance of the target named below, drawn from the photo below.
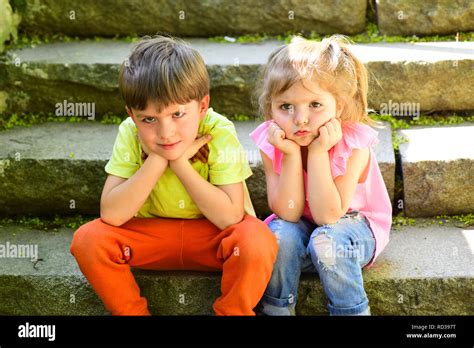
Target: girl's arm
(329, 199)
(285, 192)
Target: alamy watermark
(401, 109)
(27, 251)
(75, 109)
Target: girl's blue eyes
(288, 107)
(152, 119)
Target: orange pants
(245, 252)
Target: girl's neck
(304, 157)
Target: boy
(173, 200)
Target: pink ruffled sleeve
(355, 136)
(260, 138)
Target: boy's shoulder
(220, 127)
(214, 121)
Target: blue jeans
(337, 252)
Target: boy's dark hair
(163, 70)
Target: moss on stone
(47, 224)
(370, 35)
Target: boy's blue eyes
(288, 107)
(153, 119)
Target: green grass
(74, 222)
(423, 120)
(370, 35)
(27, 120)
(48, 223)
(461, 221)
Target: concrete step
(413, 17)
(58, 168)
(405, 79)
(438, 170)
(423, 271)
(190, 18)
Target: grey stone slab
(51, 167)
(36, 79)
(413, 17)
(423, 271)
(438, 170)
(190, 18)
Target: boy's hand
(201, 155)
(277, 137)
(145, 150)
(195, 149)
(329, 135)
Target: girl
(332, 212)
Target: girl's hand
(329, 135)
(277, 137)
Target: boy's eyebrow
(145, 116)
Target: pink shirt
(371, 198)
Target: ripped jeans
(337, 252)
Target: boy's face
(302, 109)
(173, 130)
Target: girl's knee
(291, 238)
(328, 245)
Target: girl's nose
(300, 119)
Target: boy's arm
(222, 205)
(285, 192)
(122, 198)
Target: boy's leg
(245, 252)
(339, 251)
(281, 293)
(105, 254)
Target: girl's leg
(281, 293)
(339, 252)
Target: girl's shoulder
(358, 136)
(354, 136)
(260, 137)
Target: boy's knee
(255, 240)
(85, 237)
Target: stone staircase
(58, 168)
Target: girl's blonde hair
(330, 63)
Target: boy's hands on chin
(199, 150)
(145, 150)
(277, 137)
(329, 135)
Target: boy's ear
(130, 113)
(204, 105)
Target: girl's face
(172, 131)
(302, 109)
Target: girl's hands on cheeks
(277, 137)
(329, 135)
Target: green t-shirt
(227, 164)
